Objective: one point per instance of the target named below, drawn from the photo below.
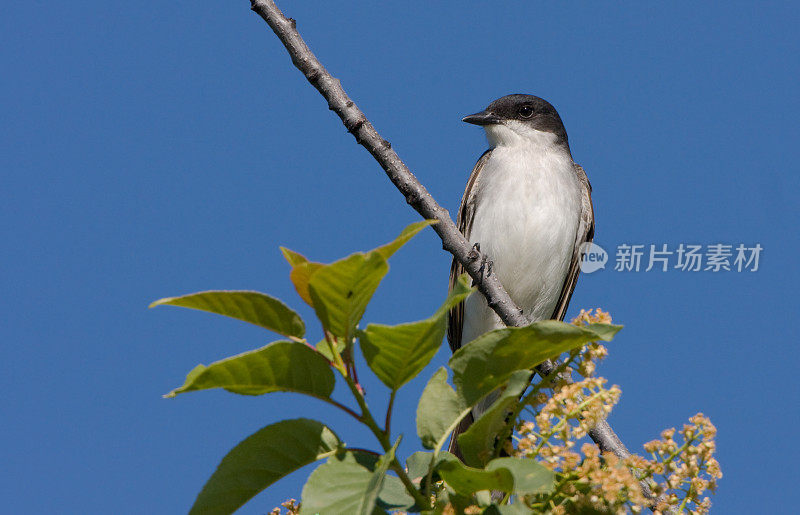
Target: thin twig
(342, 407)
(387, 426)
(414, 192)
(367, 451)
(383, 438)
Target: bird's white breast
(528, 202)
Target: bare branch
(414, 192)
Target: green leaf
(517, 508)
(249, 306)
(418, 464)
(403, 238)
(477, 444)
(398, 353)
(483, 498)
(530, 477)
(487, 362)
(292, 257)
(341, 291)
(376, 481)
(466, 480)
(394, 495)
(439, 410)
(303, 269)
(324, 349)
(300, 277)
(261, 459)
(278, 367)
(605, 332)
(512, 475)
(340, 485)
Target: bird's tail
(467, 421)
(460, 428)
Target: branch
(414, 192)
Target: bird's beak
(482, 118)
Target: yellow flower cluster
(687, 467)
(587, 317)
(585, 359)
(564, 418)
(292, 508)
(584, 480)
(678, 474)
(601, 484)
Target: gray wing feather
(455, 319)
(466, 212)
(585, 233)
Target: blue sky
(160, 148)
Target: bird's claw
(475, 252)
(486, 266)
(486, 263)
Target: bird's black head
(530, 111)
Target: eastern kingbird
(529, 207)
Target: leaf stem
(388, 423)
(367, 419)
(383, 437)
(337, 357)
(366, 451)
(352, 362)
(344, 408)
(438, 449)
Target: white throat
(515, 134)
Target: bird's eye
(526, 111)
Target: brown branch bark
(360, 127)
(414, 192)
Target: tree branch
(414, 192)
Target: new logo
(593, 257)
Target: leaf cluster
(355, 479)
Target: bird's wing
(466, 212)
(585, 233)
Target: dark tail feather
(454, 448)
(460, 428)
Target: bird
(528, 208)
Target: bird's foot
(486, 263)
(475, 253)
(486, 266)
